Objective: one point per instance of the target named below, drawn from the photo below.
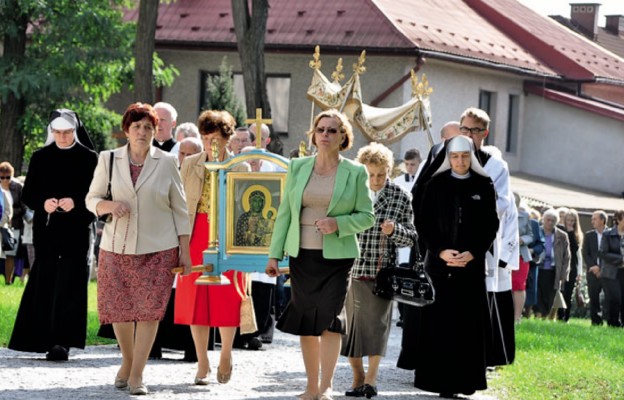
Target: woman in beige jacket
(147, 237)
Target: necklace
(135, 164)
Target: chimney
(585, 16)
(615, 24)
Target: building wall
(543, 125)
(572, 146)
(455, 86)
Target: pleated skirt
(318, 292)
(369, 319)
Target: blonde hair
(478, 115)
(376, 154)
(343, 125)
(577, 225)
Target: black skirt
(318, 292)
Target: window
(487, 102)
(278, 91)
(513, 118)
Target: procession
(320, 244)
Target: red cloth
(519, 276)
(200, 304)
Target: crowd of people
(493, 260)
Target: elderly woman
(519, 276)
(554, 263)
(612, 270)
(370, 317)
(202, 306)
(15, 263)
(326, 203)
(53, 312)
(458, 223)
(147, 237)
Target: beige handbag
(247, 313)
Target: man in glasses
(504, 255)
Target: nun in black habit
(52, 316)
(457, 222)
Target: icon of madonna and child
(254, 226)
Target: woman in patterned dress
(147, 237)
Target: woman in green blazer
(326, 202)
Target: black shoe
(356, 392)
(369, 391)
(58, 353)
(399, 323)
(155, 353)
(189, 356)
(254, 344)
(469, 392)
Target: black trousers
(568, 290)
(614, 290)
(594, 287)
(545, 291)
(262, 295)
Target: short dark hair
(618, 215)
(136, 112)
(412, 154)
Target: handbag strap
(382, 247)
(110, 173)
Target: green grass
(10, 297)
(564, 361)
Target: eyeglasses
(473, 131)
(5, 177)
(330, 131)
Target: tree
(220, 93)
(250, 33)
(78, 54)
(144, 49)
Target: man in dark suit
(591, 245)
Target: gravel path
(275, 372)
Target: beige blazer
(193, 172)
(158, 213)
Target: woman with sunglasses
(326, 203)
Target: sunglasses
(5, 177)
(330, 131)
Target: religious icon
(253, 200)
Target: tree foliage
(77, 55)
(220, 93)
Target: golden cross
(258, 122)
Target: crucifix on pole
(258, 121)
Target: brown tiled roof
(453, 27)
(497, 32)
(606, 39)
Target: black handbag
(411, 285)
(109, 196)
(9, 241)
